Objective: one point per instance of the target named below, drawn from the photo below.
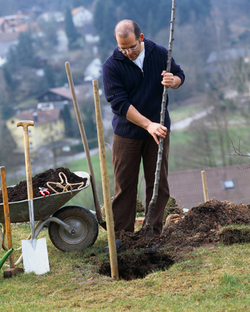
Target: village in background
(213, 48)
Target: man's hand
(170, 81)
(157, 130)
(153, 128)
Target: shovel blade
(35, 256)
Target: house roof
(26, 26)
(77, 10)
(39, 117)
(81, 91)
(187, 188)
(84, 12)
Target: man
(133, 80)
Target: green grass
(209, 279)
(180, 113)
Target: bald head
(125, 27)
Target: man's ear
(141, 37)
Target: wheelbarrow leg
(67, 227)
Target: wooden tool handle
(25, 124)
(86, 147)
(6, 215)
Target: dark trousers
(126, 158)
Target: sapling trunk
(148, 224)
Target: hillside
(213, 29)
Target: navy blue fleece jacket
(125, 84)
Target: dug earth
(59, 179)
(201, 226)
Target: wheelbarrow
(70, 227)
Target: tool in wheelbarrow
(12, 270)
(35, 254)
(86, 149)
(44, 191)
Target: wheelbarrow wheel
(84, 224)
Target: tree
(88, 117)
(104, 22)
(12, 61)
(25, 53)
(241, 75)
(50, 40)
(49, 77)
(71, 32)
(69, 131)
(7, 144)
(11, 86)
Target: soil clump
(19, 191)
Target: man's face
(129, 46)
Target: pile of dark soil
(182, 233)
(19, 191)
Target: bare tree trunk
(148, 224)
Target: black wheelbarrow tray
(70, 227)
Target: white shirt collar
(140, 59)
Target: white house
(93, 71)
(81, 16)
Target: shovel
(35, 254)
(86, 148)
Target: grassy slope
(212, 279)
(215, 279)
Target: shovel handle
(86, 147)
(6, 214)
(25, 124)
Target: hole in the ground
(137, 264)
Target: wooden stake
(7, 215)
(204, 184)
(12, 270)
(105, 184)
